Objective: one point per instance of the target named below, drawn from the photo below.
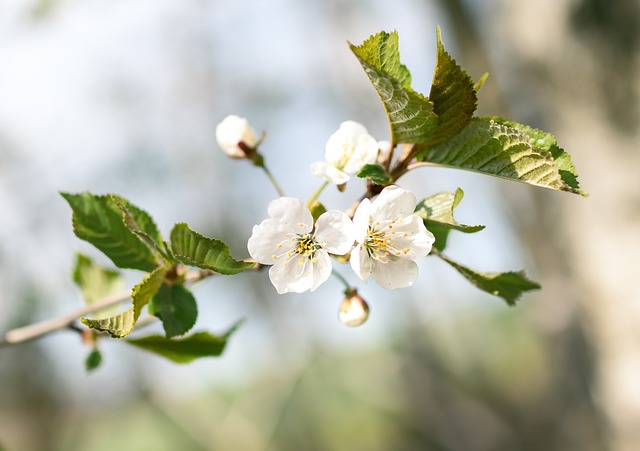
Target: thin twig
(37, 330)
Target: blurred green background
(123, 96)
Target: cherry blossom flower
(390, 239)
(232, 131)
(298, 251)
(346, 152)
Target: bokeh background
(123, 97)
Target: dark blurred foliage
(612, 31)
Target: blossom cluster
(384, 239)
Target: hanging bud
(354, 311)
(236, 137)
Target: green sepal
(193, 249)
(176, 307)
(453, 95)
(410, 114)
(94, 281)
(317, 209)
(118, 326)
(490, 148)
(93, 360)
(98, 220)
(507, 285)
(376, 173)
(437, 213)
(546, 141)
(186, 349)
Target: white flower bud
(233, 131)
(354, 311)
(346, 152)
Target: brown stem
(37, 330)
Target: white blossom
(298, 251)
(232, 131)
(390, 239)
(346, 152)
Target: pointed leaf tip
(187, 349)
(493, 148)
(437, 213)
(507, 285)
(452, 93)
(546, 142)
(410, 114)
(98, 220)
(118, 326)
(194, 249)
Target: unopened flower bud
(354, 311)
(235, 135)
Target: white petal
(361, 263)
(393, 203)
(292, 275)
(268, 239)
(395, 274)
(329, 172)
(365, 152)
(361, 220)
(334, 231)
(292, 212)
(412, 238)
(299, 273)
(344, 139)
(321, 269)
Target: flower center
(380, 244)
(377, 243)
(306, 245)
(347, 153)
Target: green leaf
(93, 360)
(184, 350)
(121, 325)
(453, 95)
(437, 213)
(410, 114)
(98, 220)
(140, 223)
(176, 307)
(193, 249)
(488, 147)
(118, 326)
(376, 173)
(95, 281)
(546, 141)
(507, 285)
(142, 293)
